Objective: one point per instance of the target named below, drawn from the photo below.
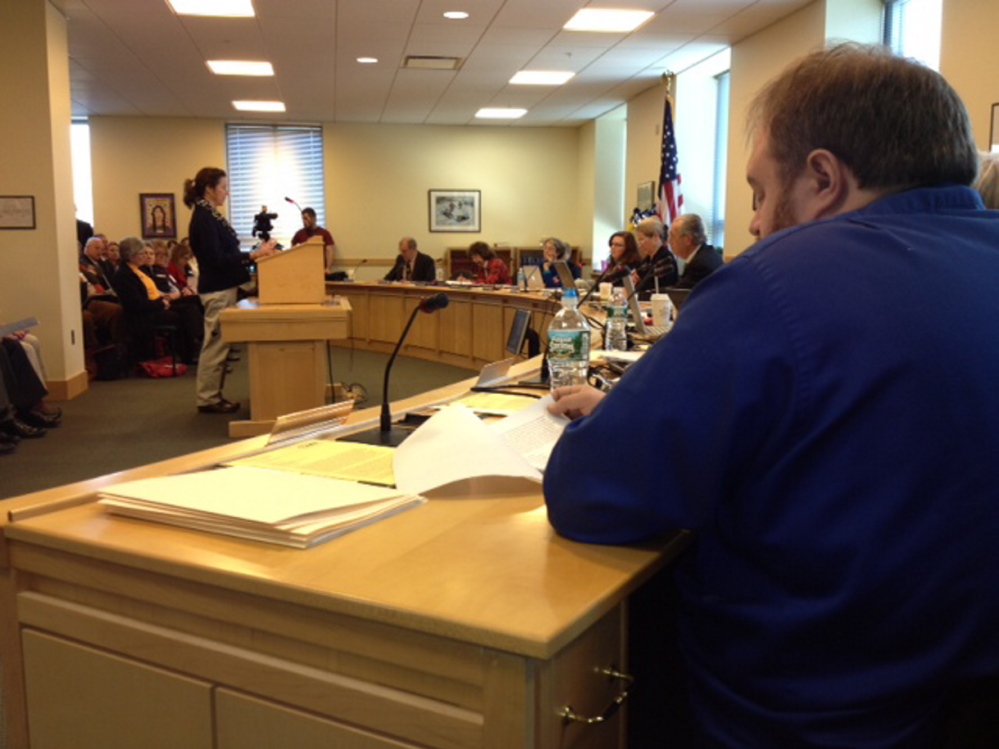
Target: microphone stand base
(392, 438)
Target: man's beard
(783, 213)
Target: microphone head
(290, 200)
(434, 303)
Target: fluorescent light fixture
(595, 19)
(259, 106)
(500, 113)
(456, 15)
(240, 67)
(542, 77)
(222, 8)
(367, 60)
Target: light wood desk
(463, 623)
(287, 356)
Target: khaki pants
(211, 363)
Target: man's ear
(827, 185)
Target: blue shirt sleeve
(673, 438)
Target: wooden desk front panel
(470, 332)
(129, 638)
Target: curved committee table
(470, 333)
(465, 623)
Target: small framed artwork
(159, 217)
(17, 212)
(994, 130)
(455, 210)
(646, 191)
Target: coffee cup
(606, 290)
(662, 309)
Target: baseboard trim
(64, 390)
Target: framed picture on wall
(646, 196)
(994, 130)
(17, 212)
(159, 216)
(455, 210)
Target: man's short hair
(309, 211)
(691, 225)
(894, 122)
(409, 242)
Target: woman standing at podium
(222, 270)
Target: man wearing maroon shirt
(311, 229)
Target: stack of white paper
(275, 506)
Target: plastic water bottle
(616, 333)
(439, 274)
(568, 344)
(521, 279)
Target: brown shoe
(221, 406)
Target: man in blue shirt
(825, 417)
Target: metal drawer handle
(569, 715)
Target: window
(266, 165)
(716, 228)
(912, 29)
(83, 190)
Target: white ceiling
(135, 57)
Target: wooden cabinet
(87, 699)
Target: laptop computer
(533, 275)
(565, 275)
(650, 332)
(678, 296)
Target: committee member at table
(826, 430)
(689, 243)
(411, 264)
(657, 270)
(221, 270)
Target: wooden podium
(294, 276)
(286, 330)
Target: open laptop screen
(633, 305)
(565, 275)
(518, 329)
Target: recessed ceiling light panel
(240, 67)
(456, 15)
(616, 21)
(500, 113)
(222, 8)
(259, 106)
(541, 77)
(367, 60)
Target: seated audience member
(658, 267)
(146, 306)
(93, 269)
(829, 440)
(987, 183)
(310, 228)
(179, 268)
(624, 256)
(689, 242)
(112, 259)
(555, 250)
(489, 268)
(411, 264)
(8, 441)
(30, 416)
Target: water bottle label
(569, 345)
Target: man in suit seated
(412, 265)
(689, 242)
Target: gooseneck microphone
(386, 434)
(294, 204)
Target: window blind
(266, 164)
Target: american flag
(670, 202)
